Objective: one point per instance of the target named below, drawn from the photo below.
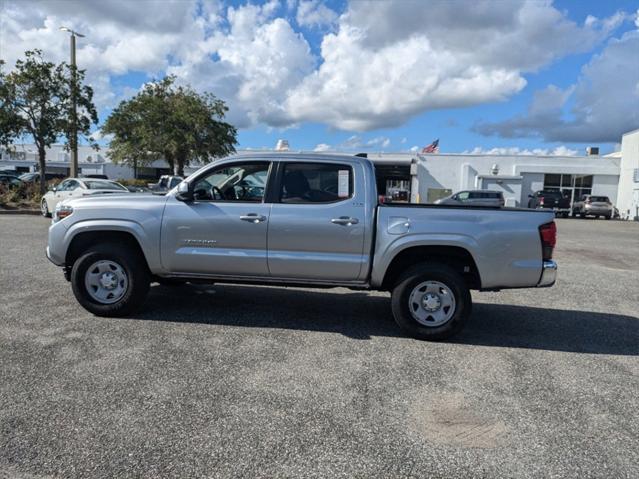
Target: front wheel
(110, 280)
(431, 301)
(44, 209)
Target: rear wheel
(431, 301)
(110, 280)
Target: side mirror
(184, 192)
(530, 196)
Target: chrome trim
(548, 274)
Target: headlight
(62, 211)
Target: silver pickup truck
(303, 220)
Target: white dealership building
(427, 176)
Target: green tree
(36, 101)
(170, 122)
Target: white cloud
(380, 63)
(313, 13)
(322, 147)
(561, 150)
(380, 141)
(600, 107)
(98, 136)
(390, 61)
(414, 149)
(356, 142)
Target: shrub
(25, 195)
(133, 182)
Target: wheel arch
(457, 257)
(83, 240)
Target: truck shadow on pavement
(360, 315)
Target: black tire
(44, 208)
(608, 217)
(411, 279)
(132, 263)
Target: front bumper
(56, 249)
(548, 274)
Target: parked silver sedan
(589, 205)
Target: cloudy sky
(498, 76)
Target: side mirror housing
(184, 192)
(530, 196)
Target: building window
(572, 186)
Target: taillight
(541, 201)
(548, 234)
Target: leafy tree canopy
(36, 100)
(170, 122)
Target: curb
(19, 212)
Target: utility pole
(73, 140)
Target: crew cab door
(223, 231)
(317, 224)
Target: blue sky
(480, 76)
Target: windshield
(600, 199)
(104, 185)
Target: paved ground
(262, 382)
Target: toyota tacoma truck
(303, 220)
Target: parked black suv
(550, 199)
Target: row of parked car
(586, 205)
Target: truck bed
(504, 242)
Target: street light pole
(74, 114)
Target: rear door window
(315, 183)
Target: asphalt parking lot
(220, 381)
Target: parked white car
(77, 188)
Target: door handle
(345, 220)
(253, 218)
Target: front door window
(235, 183)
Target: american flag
(432, 148)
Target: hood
(133, 207)
(100, 199)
